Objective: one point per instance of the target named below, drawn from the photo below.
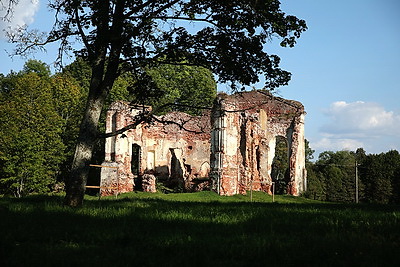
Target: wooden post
(273, 191)
(251, 191)
(356, 182)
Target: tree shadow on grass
(156, 232)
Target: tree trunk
(76, 185)
(103, 77)
(88, 134)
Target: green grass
(198, 229)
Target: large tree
(31, 147)
(120, 35)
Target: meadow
(197, 229)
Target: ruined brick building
(229, 149)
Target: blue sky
(345, 69)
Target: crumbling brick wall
(244, 130)
(175, 148)
(233, 145)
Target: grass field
(198, 229)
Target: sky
(345, 69)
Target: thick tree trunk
(88, 134)
(76, 184)
(103, 77)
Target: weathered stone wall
(175, 148)
(245, 127)
(233, 145)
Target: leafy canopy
(30, 137)
(225, 36)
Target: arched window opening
(280, 165)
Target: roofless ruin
(229, 149)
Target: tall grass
(199, 229)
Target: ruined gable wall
(252, 122)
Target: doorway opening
(280, 165)
(135, 160)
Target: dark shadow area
(146, 231)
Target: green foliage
(189, 87)
(316, 186)
(68, 99)
(58, 101)
(30, 137)
(280, 165)
(38, 67)
(332, 177)
(380, 174)
(80, 70)
(308, 151)
(143, 229)
(335, 172)
(120, 90)
(142, 33)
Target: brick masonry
(229, 149)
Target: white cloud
(361, 119)
(22, 14)
(359, 124)
(333, 144)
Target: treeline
(39, 121)
(333, 177)
(40, 115)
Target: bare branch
(33, 40)
(185, 18)
(8, 5)
(81, 32)
(180, 125)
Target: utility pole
(356, 166)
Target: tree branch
(149, 116)
(186, 18)
(160, 108)
(81, 32)
(32, 40)
(180, 125)
(9, 7)
(140, 7)
(122, 130)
